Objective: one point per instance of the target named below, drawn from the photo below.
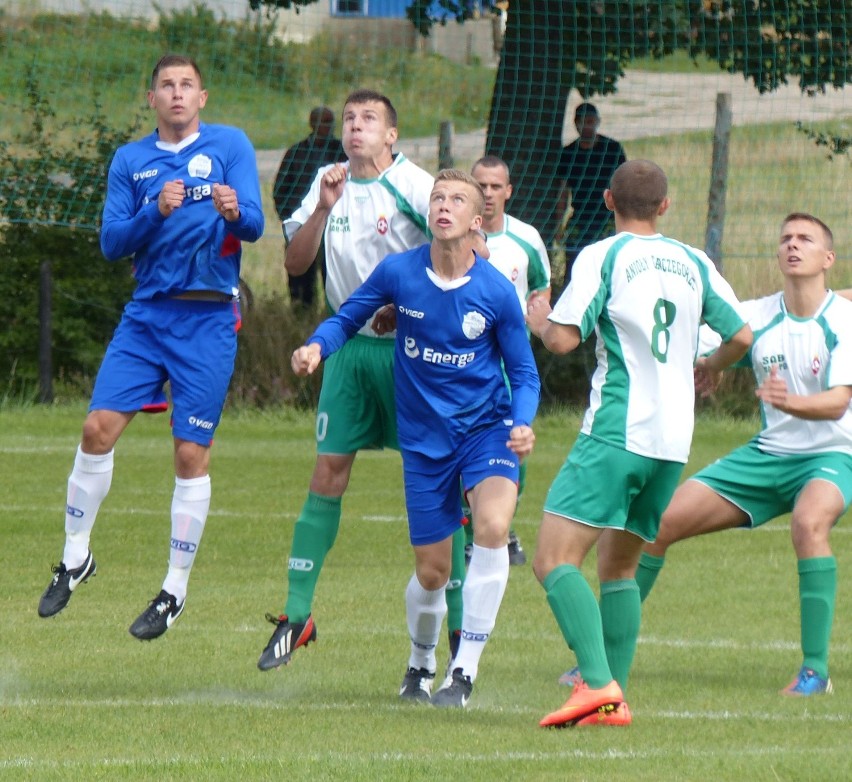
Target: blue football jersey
(194, 248)
(453, 342)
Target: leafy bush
(88, 295)
(48, 212)
(271, 331)
(244, 51)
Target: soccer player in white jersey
(460, 422)
(801, 461)
(643, 295)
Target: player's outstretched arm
(306, 359)
(708, 370)
(828, 405)
(557, 337)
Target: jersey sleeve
(309, 203)
(582, 302)
(840, 324)
(124, 229)
(241, 175)
(518, 361)
(721, 310)
(375, 292)
(709, 340)
(538, 271)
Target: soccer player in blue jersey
(371, 206)
(180, 201)
(643, 295)
(360, 211)
(516, 249)
(801, 461)
(458, 325)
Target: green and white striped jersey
(372, 219)
(519, 252)
(811, 355)
(644, 297)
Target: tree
(554, 46)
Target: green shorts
(607, 487)
(356, 407)
(765, 486)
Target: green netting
(73, 77)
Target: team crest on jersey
(411, 349)
(473, 325)
(514, 274)
(815, 365)
(382, 226)
(200, 166)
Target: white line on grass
(362, 758)
(378, 518)
(248, 702)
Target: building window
(348, 7)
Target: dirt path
(650, 104)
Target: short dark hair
(828, 235)
(171, 61)
(492, 161)
(320, 115)
(359, 97)
(586, 108)
(638, 189)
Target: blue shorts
(433, 487)
(190, 344)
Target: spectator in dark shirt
(292, 182)
(585, 167)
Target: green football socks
(621, 613)
(579, 618)
(314, 535)
(647, 572)
(817, 591)
(456, 582)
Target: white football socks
(424, 610)
(88, 484)
(190, 505)
(484, 586)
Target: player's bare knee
(97, 438)
(432, 575)
(491, 533)
(331, 475)
(541, 566)
(810, 534)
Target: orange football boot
(583, 702)
(608, 715)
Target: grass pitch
(81, 698)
